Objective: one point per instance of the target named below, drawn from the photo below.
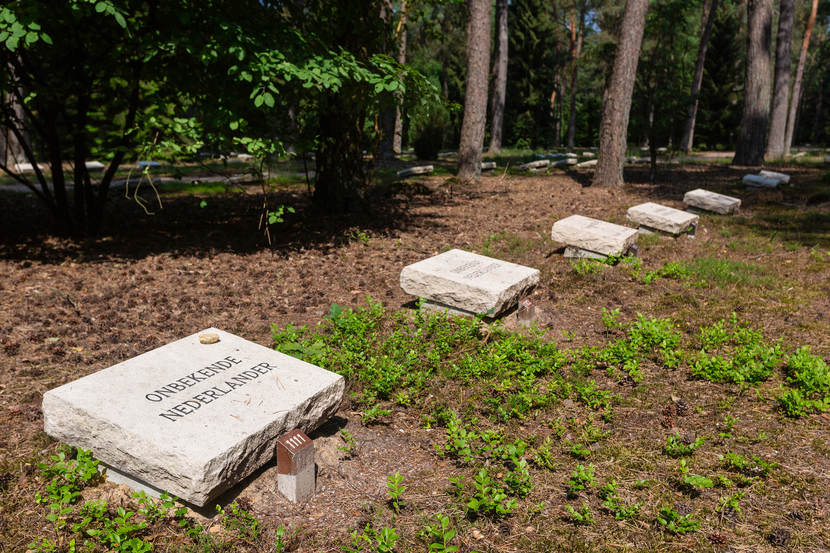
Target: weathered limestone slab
(589, 155)
(783, 177)
(760, 182)
(540, 164)
(421, 170)
(488, 165)
(469, 282)
(711, 201)
(565, 162)
(190, 418)
(593, 235)
(94, 166)
(589, 163)
(661, 217)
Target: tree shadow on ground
(205, 226)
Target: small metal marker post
(295, 466)
(692, 229)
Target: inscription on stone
(189, 418)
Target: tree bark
(710, 8)
(781, 82)
(577, 26)
(475, 95)
(397, 139)
(752, 134)
(499, 78)
(795, 98)
(616, 102)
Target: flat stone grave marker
(488, 165)
(565, 162)
(757, 181)
(589, 155)
(589, 163)
(94, 166)
(421, 170)
(711, 201)
(654, 216)
(593, 235)
(469, 283)
(783, 177)
(541, 164)
(192, 418)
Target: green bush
(809, 377)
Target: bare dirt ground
(69, 308)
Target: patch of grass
(723, 272)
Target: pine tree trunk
(752, 134)
(795, 99)
(499, 77)
(710, 8)
(475, 95)
(576, 52)
(616, 102)
(781, 82)
(397, 139)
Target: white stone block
(421, 170)
(193, 419)
(589, 163)
(579, 253)
(488, 165)
(94, 166)
(542, 163)
(299, 487)
(565, 162)
(661, 217)
(589, 155)
(711, 201)
(469, 282)
(783, 177)
(758, 181)
(593, 235)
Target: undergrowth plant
(489, 499)
(732, 352)
(673, 522)
(808, 378)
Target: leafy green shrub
(396, 487)
(372, 541)
(489, 499)
(518, 481)
(809, 377)
(675, 447)
(582, 516)
(676, 524)
(736, 354)
(646, 337)
(581, 479)
(752, 467)
(439, 535)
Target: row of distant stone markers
(197, 416)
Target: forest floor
(71, 308)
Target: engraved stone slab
(783, 177)
(565, 162)
(661, 217)
(541, 164)
(488, 165)
(589, 163)
(758, 181)
(422, 170)
(469, 282)
(94, 166)
(711, 201)
(193, 419)
(589, 155)
(593, 235)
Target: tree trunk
(499, 77)
(752, 134)
(781, 82)
(818, 120)
(475, 95)
(577, 26)
(341, 170)
(616, 102)
(397, 140)
(11, 150)
(795, 99)
(710, 8)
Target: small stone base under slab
(579, 253)
(431, 306)
(117, 477)
(690, 232)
